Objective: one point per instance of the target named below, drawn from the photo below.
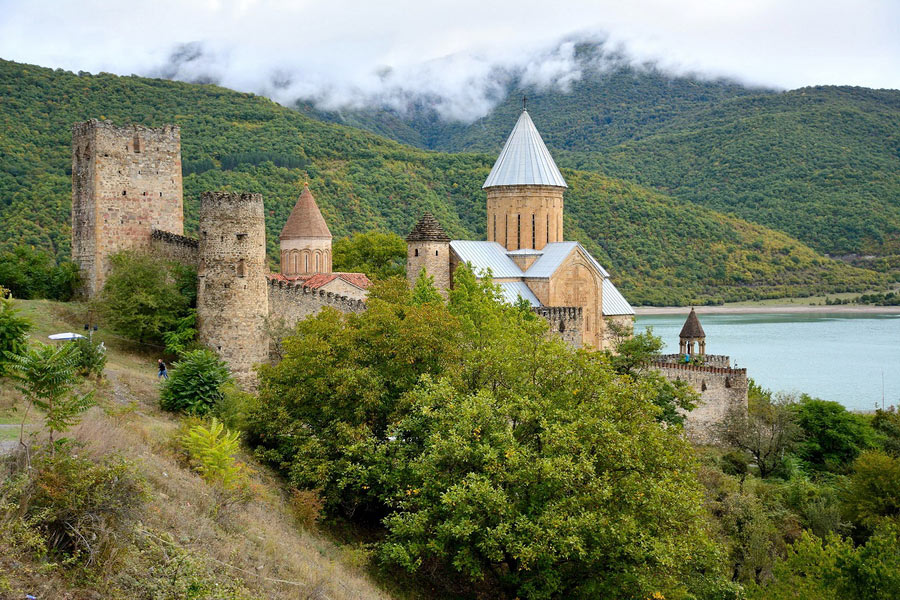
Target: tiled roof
(525, 159)
(305, 220)
(318, 280)
(692, 327)
(428, 230)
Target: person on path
(163, 374)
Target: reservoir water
(837, 357)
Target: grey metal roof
(614, 303)
(525, 159)
(486, 255)
(511, 291)
(553, 255)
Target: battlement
(565, 321)
(709, 360)
(286, 293)
(175, 239)
(700, 368)
(230, 199)
(178, 248)
(86, 128)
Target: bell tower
(692, 340)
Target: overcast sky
(345, 52)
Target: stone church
(525, 252)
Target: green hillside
(821, 164)
(661, 250)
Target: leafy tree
(30, 273)
(195, 384)
(379, 255)
(424, 291)
(872, 491)
(140, 298)
(14, 330)
(886, 424)
(184, 336)
(767, 431)
(833, 436)
(47, 377)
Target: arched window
(241, 268)
(306, 261)
(317, 262)
(416, 252)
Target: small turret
(428, 247)
(692, 339)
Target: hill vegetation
(820, 164)
(661, 250)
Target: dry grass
(259, 546)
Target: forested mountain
(821, 164)
(659, 249)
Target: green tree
(379, 255)
(767, 430)
(196, 383)
(424, 291)
(14, 330)
(886, 424)
(833, 436)
(141, 298)
(47, 377)
(872, 491)
(90, 357)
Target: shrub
(80, 508)
(212, 451)
(195, 383)
(13, 331)
(873, 489)
(90, 357)
(833, 436)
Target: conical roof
(525, 159)
(692, 327)
(428, 230)
(305, 220)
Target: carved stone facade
(126, 182)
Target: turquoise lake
(839, 357)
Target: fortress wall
(721, 389)
(565, 321)
(178, 248)
(710, 360)
(293, 302)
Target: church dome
(525, 159)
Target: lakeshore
(771, 309)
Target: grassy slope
(249, 548)
(661, 250)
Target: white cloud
(459, 54)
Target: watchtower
(232, 291)
(428, 247)
(692, 340)
(126, 182)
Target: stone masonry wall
(524, 216)
(565, 321)
(435, 257)
(292, 302)
(721, 389)
(232, 297)
(178, 248)
(126, 182)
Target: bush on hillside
(14, 330)
(143, 297)
(196, 383)
(90, 357)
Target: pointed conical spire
(428, 230)
(525, 159)
(692, 328)
(305, 219)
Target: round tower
(305, 239)
(428, 247)
(524, 192)
(692, 339)
(232, 292)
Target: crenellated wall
(293, 302)
(178, 248)
(565, 321)
(721, 389)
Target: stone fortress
(127, 195)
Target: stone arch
(318, 261)
(305, 257)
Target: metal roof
(525, 159)
(484, 256)
(511, 291)
(614, 303)
(553, 255)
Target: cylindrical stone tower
(232, 293)
(428, 247)
(524, 192)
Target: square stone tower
(126, 182)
